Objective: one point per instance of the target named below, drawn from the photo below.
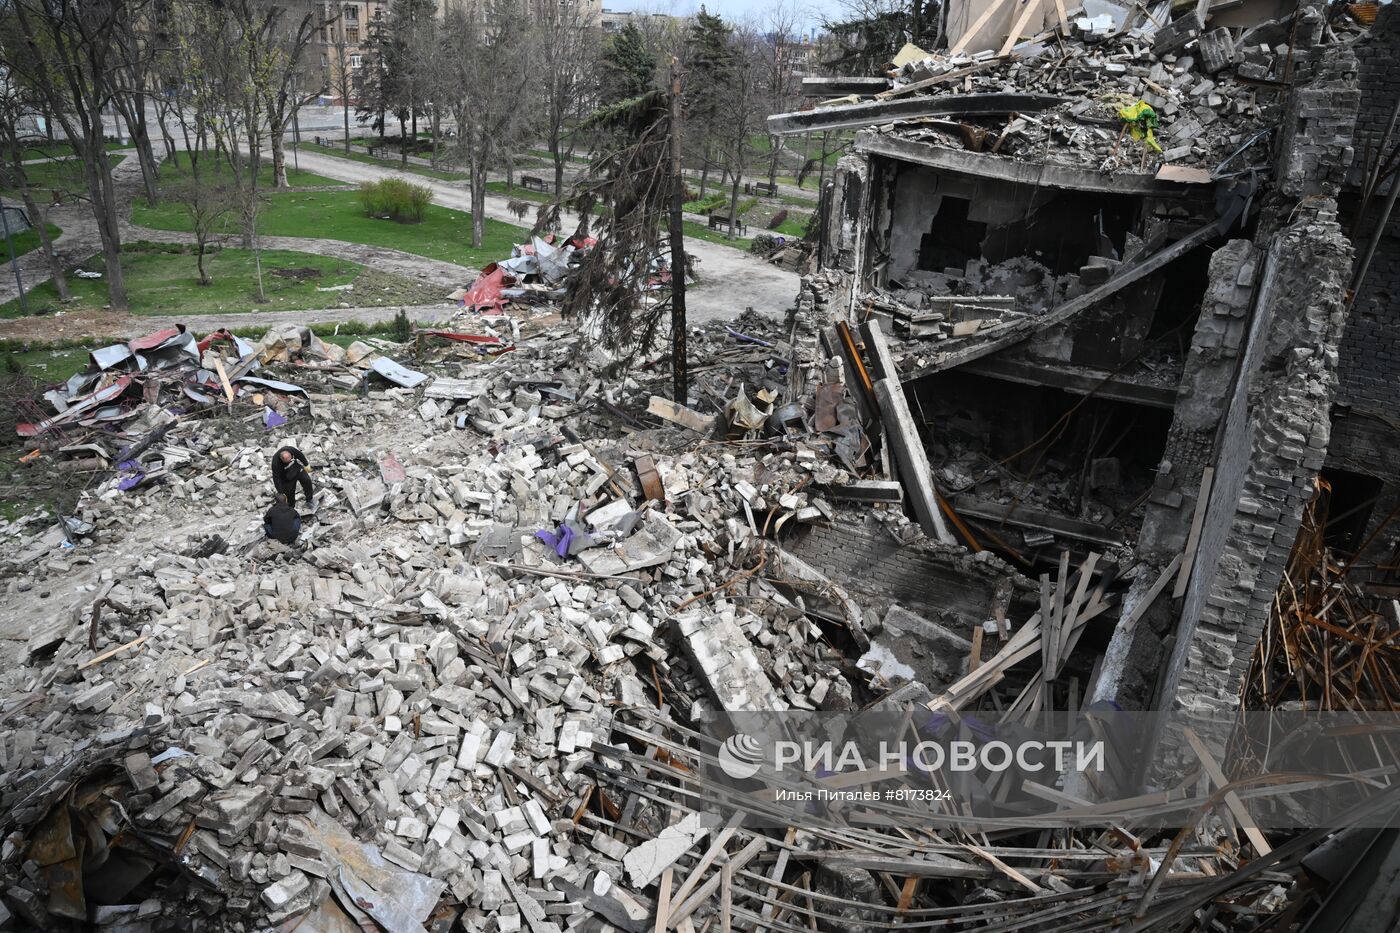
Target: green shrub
(402, 327)
(396, 199)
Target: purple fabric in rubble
(272, 419)
(559, 540)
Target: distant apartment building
(346, 29)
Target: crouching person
(282, 523)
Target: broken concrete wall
(1279, 415)
(1134, 657)
(825, 296)
(956, 590)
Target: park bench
(718, 222)
(535, 183)
(761, 187)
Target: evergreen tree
(710, 74)
(628, 66)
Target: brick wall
(1369, 371)
(1134, 657)
(950, 587)
(1280, 418)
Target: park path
(730, 279)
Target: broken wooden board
(668, 410)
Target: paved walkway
(730, 279)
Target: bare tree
(567, 41)
(340, 76)
(208, 203)
(484, 89)
(779, 25)
(13, 109)
(67, 51)
(131, 83)
(735, 126)
(291, 84)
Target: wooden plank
(110, 652)
(1062, 16)
(955, 75)
(716, 847)
(223, 378)
(1031, 7)
(668, 410)
(974, 660)
(1232, 800)
(976, 27)
(663, 900)
(1047, 613)
(707, 890)
(1086, 570)
(779, 869)
(1004, 868)
(914, 470)
(1132, 619)
(726, 897)
(1193, 538)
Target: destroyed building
(1113, 347)
(1048, 425)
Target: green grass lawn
(177, 168)
(700, 231)
(439, 174)
(523, 194)
(54, 150)
(337, 215)
(47, 366)
(26, 241)
(161, 281)
(59, 175)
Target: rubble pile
(409, 698)
(1207, 96)
(961, 302)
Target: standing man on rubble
(289, 467)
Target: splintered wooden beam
(914, 471)
(1031, 8)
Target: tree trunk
(680, 372)
(199, 260)
(104, 210)
(558, 166)
(478, 202)
(345, 109)
(142, 138)
(733, 208)
(60, 281)
(279, 161)
(777, 144)
(704, 169)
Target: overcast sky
(810, 12)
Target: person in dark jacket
(289, 468)
(282, 521)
